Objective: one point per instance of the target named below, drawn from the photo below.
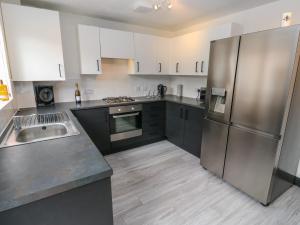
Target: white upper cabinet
(151, 55)
(190, 52)
(116, 44)
(145, 54)
(89, 47)
(34, 43)
(162, 46)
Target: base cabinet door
(192, 130)
(96, 123)
(250, 161)
(175, 123)
(213, 149)
(153, 121)
(184, 127)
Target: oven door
(125, 125)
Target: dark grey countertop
(38, 170)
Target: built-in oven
(125, 122)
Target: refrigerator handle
(253, 131)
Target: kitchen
(134, 159)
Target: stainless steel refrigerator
(250, 86)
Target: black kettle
(161, 90)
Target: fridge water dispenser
(218, 100)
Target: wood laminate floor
(161, 184)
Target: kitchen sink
(38, 127)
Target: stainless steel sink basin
(34, 128)
(41, 132)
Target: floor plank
(161, 184)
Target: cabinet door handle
(98, 67)
(196, 70)
(177, 67)
(181, 113)
(186, 115)
(138, 66)
(202, 66)
(159, 68)
(59, 69)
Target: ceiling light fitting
(158, 4)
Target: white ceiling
(184, 12)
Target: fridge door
(213, 148)
(221, 76)
(264, 75)
(250, 162)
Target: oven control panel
(125, 109)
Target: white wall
(190, 85)
(264, 17)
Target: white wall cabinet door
(145, 54)
(179, 55)
(162, 55)
(34, 43)
(89, 47)
(189, 54)
(198, 53)
(116, 44)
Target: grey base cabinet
(180, 124)
(154, 121)
(184, 127)
(87, 205)
(96, 123)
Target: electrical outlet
(89, 91)
(138, 88)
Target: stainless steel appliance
(116, 100)
(125, 122)
(38, 127)
(250, 84)
(161, 90)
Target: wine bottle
(77, 94)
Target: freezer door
(221, 76)
(263, 79)
(250, 162)
(213, 148)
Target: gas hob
(121, 99)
